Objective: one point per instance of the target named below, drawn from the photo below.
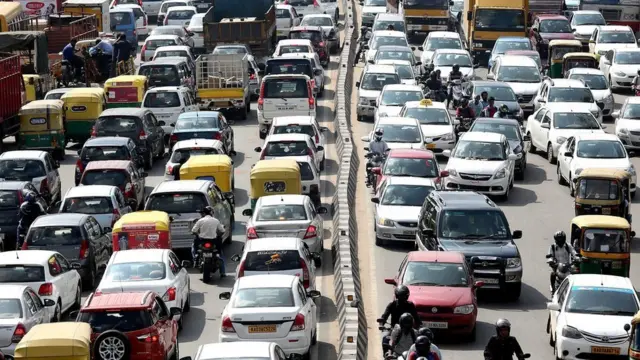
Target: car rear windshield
(54, 235)
(273, 260)
(137, 13)
(138, 271)
(179, 203)
(281, 212)
(172, 53)
(162, 100)
(295, 129)
(96, 153)
(293, 49)
(198, 123)
(120, 320)
(180, 14)
(21, 170)
(10, 309)
(105, 177)
(88, 205)
(314, 36)
(263, 297)
(181, 155)
(154, 44)
(287, 148)
(117, 124)
(306, 173)
(120, 18)
(21, 273)
(289, 67)
(9, 199)
(167, 75)
(169, 30)
(286, 88)
(283, 14)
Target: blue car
(507, 43)
(123, 20)
(203, 125)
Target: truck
(12, 92)
(537, 7)
(61, 28)
(222, 83)
(484, 21)
(423, 16)
(617, 12)
(99, 8)
(252, 23)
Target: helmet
(30, 197)
(425, 331)
(402, 293)
(378, 133)
(560, 237)
(423, 344)
(456, 67)
(502, 324)
(464, 101)
(504, 109)
(406, 321)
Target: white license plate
(488, 281)
(203, 6)
(436, 325)
(285, 107)
(207, 255)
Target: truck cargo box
(258, 33)
(238, 9)
(11, 88)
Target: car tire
(148, 163)
(532, 148)
(187, 306)
(572, 190)
(78, 300)
(472, 335)
(515, 291)
(262, 135)
(561, 180)
(552, 160)
(161, 151)
(176, 352)
(505, 196)
(314, 338)
(112, 345)
(519, 175)
(57, 312)
(90, 281)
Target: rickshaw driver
(208, 228)
(27, 214)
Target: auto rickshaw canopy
(160, 219)
(604, 173)
(126, 80)
(42, 106)
(71, 340)
(264, 169)
(86, 95)
(576, 44)
(281, 176)
(601, 222)
(206, 164)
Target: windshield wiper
(495, 159)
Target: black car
(78, 237)
(318, 40)
(139, 125)
(470, 223)
(203, 125)
(511, 129)
(107, 148)
(11, 197)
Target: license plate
(260, 329)
(207, 255)
(488, 281)
(285, 107)
(436, 325)
(606, 211)
(605, 350)
(431, 146)
(409, 232)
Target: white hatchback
(297, 144)
(180, 15)
(167, 4)
(104, 202)
(399, 133)
(153, 42)
(184, 149)
(168, 102)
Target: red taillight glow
(46, 289)
(169, 170)
(84, 249)
(317, 138)
(94, 133)
(312, 232)
(321, 44)
(18, 333)
(309, 152)
(170, 295)
(217, 136)
(241, 270)
(149, 338)
(79, 166)
(227, 326)
(312, 101)
(20, 197)
(298, 323)
(24, 246)
(305, 273)
(128, 191)
(173, 138)
(252, 77)
(142, 135)
(251, 233)
(207, 245)
(261, 98)
(44, 186)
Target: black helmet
(30, 196)
(406, 321)
(560, 237)
(502, 324)
(402, 293)
(425, 331)
(423, 344)
(456, 67)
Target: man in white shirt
(209, 229)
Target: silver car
(21, 309)
(397, 206)
(287, 216)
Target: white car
(593, 151)
(584, 22)
(153, 42)
(371, 8)
(620, 66)
(286, 18)
(35, 166)
(435, 122)
(306, 7)
(383, 20)
(195, 26)
(289, 46)
(444, 59)
(184, 34)
(628, 123)
(605, 38)
(398, 202)
(481, 162)
(384, 38)
(393, 97)
(404, 70)
(179, 51)
(521, 73)
(310, 177)
(588, 313)
(329, 27)
(141, 18)
(439, 40)
(168, 102)
(184, 149)
(157, 270)
(569, 92)
(167, 4)
(240, 351)
(298, 99)
(372, 80)
(301, 125)
(294, 144)
(56, 94)
(598, 84)
(399, 133)
(549, 127)
(272, 308)
(292, 255)
(180, 15)
(47, 271)
(104, 202)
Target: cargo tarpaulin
(28, 40)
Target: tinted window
(306, 173)
(420, 273)
(283, 14)
(436, 43)
(569, 95)
(475, 224)
(314, 36)
(389, 40)
(161, 100)
(120, 19)
(410, 167)
(525, 74)
(54, 235)
(169, 30)
(627, 58)
(502, 93)
(384, 25)
(172, 53)
(21, 170)
(631, 111)
(588, 19)
(177, 203)
(275, 260)
(593, 81)
(21, 274)
(317, 21)
(9, 199)
(399, 98)
(500, 19)
(575, 121)
(88, 205)
(180, 14)
(10, 309)
(450, 59)
(404, 71)
(124, 321)
(289, 148)
(230, 50)
(166, 6)
(401, 133)
(285, 212)
(138, 271)
(184, 154)
(492, 151)
(601, 301)
(405, 195)
(505, 45)
(263, 297)
(293, 49)
(117, 124)
(555, 26)
(286, 88)
(96, 153)
(198, 123)
(295, 129)
(161, 74)
(617, 37)
(105, 177)
(289, 67)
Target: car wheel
(322, 163)
(532, 148)
(112, 345)
(561, 180)
(176, 353)
(314, 338)
(550, 157)
(78, 300)
(472, 335)
(148, 164)
(57, 313)
(515, 291)
(505, 196)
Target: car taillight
(217, 136)
(169, 170)
(241, 270)
(20, 197)
(309, 152)
(313, 84)
(18, 333)
(251, 233)
(312, 100)
(321, 45)
(46, 289)
(305, 273)
(144, 48)
(79, 166)
(173, 139)
(94, 133)
(142, 135)
(170, 295)
(263, 154)
(148, 338)
(227, 326)
(207, 245)
(317, 138)
(252, 77)
(84, 249)
(44, 186)
(298, 323)
(261, 98)
(312, 232)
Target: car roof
(631, 50)
(501, 121)
(465, 200)
(168, 27)
(178, 8)
(411, 154)
(482, 136)
(383, 69)
(23, 155)
(517, 60)
(388, 16)
(416, 104)
(394, 33)
(181, 185)
(522, 52)
(452, 51)
(293, 199)
(139, 255)
(597, 280)
(568, 107)
(550, 17)
(276, 243)
(436, 256)
(108, 164)
(241, 349)
(297, 119)
(138, 112)
(165, 60)
(287, 137)
(107, 141)
(266, 281)
(577, 12)
(394, 48)
(596, 136)
(586, 71)
(67, 219)
(410, 180)
(12, 291)
(123, 300)
(173, 47)
(166, 88)
(39, 257)
(130, 6)
(514, 38)
(203, 143)
(120, 9)
(284, 6)
(568, 83)
(615, 28)
(633, 100)
(305, 28)
(393, 62)
(402, 87)
(319, 15)
(90, 191)
(444, 34)
(198, 114)
(395, 120)
(162, 37)
(294, 42)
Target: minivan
(167, 72)
(123, 20)
(284, 95)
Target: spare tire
(112, 345)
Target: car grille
(408, 224)
(372, 102)
(605, 339)
(525, 99)
(477, 177)
(429, 309)
(485, 264)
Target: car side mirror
(161, 123)
(257, 149)
(446, 153)
(224, 296)
(418, 63)
(632, 234)
(568, 154)
(376, 170)
(247, 212)
(427, 233)
(186, 263)
(317, 72)
(166, 155)
(322, 210)
(517, 234)
(76, 266)
(320, 148)
(48, 302)
(512, 157)
(313, 294)
(627, 327)
(366, 148)
(545, 126)
(235, 257)
(357, 84)
(371, 62)
(390, 282)
(553, 306)
(527, 138)
(375, 200)
(175, 311)
(476, 65)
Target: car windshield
(154, 44)
(97, 153)
(599, 300)
(427, 115)
(286, 148)
(293, 49)
(316, 21)
(21, 170)
(558, 94)
(135, 271)
(168, 5)
(474, 225)
(399, 97)
(436, 43)
(180, 14)
(598, 189)
(119, 18)
(88, 205)
(479, 150)
(54, 236)
(502, 93)
(450, 59)
(264, 297)
(617, 37)
(295, 129)
(503, 46)
(177, 203)
(372, 81)
(404, 71)
(627, 58)
(286, 88)
(588, 19)
(398, 25)
(405, 195)
(10, 309)
(315, 36)
(601, 149)
(631, 111)
(593, 81)
(410, 167)
(422, 273)
(120, 320)
(389, 40)
(182, 155)
(605, 240)
(9, 198)
(168, 30)
(457, 6)
(105, 177)
(555, 26)
(230, 50)
(281, 212)
(117, 124)
(511, 132)
(21, 273)
(54, 95)
(197, 123)
(521, 74)
(575, 121)
(383, 54)
(533, 56)
(171, 53)
(164, 75)
(401, 133)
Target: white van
(167, 103)
(141, 19)
(286, 18)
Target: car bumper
(9, 350)
(366, 110)
(448, 323)
(397, 232)
(570, 349)
(314, 244)
(438, 146)
(621, 81)
(488, 187)
(291, 344)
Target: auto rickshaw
(126, 91)
(83, 106)
(579, 60)
(634, 337)
(42, 127)
(142, 230)
(603, 192)
(218, 168)
(604, 244)
(557, 50)
(274, 177)
(56, 341)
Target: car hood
(607, 47)
(445, 70)
(369, 94)
(524, 88)
(398, 145)
(389, 110)
(475, 166)
(609, 325)
(567, 133)
(440, 296)
(591, 106)
(629, 124)
(585, 30)
(581, 163)
(436, 130)
(560, 36)
(504, 248)
(629, 70)
(374, 9)
(398, 213)
(600, 95)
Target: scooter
(455, 88)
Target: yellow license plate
(261, 329)
(606, 211)
(431, 146)
(605, 350)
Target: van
(284, 95)
(141, 18)
(168, 72)
(298, 64)
(168, 102)
(123, 20)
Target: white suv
(373, 80)
(301, 125)
(567, 91)
(167, 103)
(522, 74)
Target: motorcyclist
(403, 334)
(27, 214)
(396, 308)
(365, 35)
(423, 349)
(378, 145)
(560, 252)
(503, 346)
(465, 111)
(208, 229)
(425, 331)
(503, 112)
(69, 54)
(635, 84)
(434, 84)
(455, 73)
(491, 109)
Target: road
(537, 205)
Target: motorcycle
(463, 126)
(455, 89)
(207, 260)
(388, 352)
(562, 270)
(375, 160)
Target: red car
(144, 327)
(443, 290)
(547, 27)
(410, 162)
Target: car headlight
(452, 172)
(560, 140)
(517, 150)
(500, 174)
(385, 222)
(571, 332)
(578, 171)
(514, 262)
(464, 309)
(619, 73)
(622, 131)
(447, 137)
(632, 170)
(363, 101)
(609, 99)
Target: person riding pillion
(560, 252)
(209, 229)
(423, 350)
(425, 331)
(403, 334)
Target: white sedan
(621, 67)
(592, 151)
(273, 308)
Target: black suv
(470, 223)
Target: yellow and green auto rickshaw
(55, 341)
(557, 50)
(274, 177)
(604, 244)
(602, 192)
(126, 91)
(42, 127)
(83, 106)
(579, 60)
(218, 168)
